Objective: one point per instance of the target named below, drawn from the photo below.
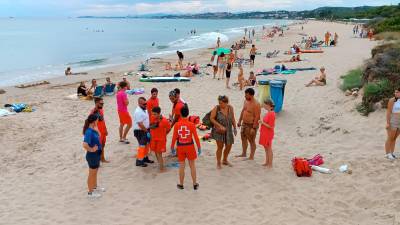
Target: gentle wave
(88, 62)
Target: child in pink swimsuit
(267, 131)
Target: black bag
(207, 120)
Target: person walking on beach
(224, 129)
(253, 32)
(248, 121)
(221, 65)
(218, 42)
(183, 135)
(267, 131)
(335, 39)
(180, 59)
(327, 38)
(228, 75)
(92, 145)
(214, 63)
(177, 106)
(245, 31)
(253, 52)
(141, 127)
(159, 128)
(153, 101)
(125, 119)
(101, 125)
(392, 124)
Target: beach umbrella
(222, 50)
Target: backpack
(301, 167)
(194, 119)
(207, 120)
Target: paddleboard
(164, 79)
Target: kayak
(311, 51)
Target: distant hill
(332, 13)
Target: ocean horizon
(41, 48)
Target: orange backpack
(301, 167)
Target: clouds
(137, 7)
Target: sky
(62, 8)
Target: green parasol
(222, 50)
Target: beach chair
(99, 91)
(109, 89)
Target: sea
(40, 48)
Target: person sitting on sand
(188, 69)
(68, 71)
(195, 68)
(92, 87)
(168, 66)
(320, 80)
(176, 68)
(108, 82)
(82, 90)
(252, 79)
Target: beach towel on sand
(5, 112)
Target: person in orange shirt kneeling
(184, 132)
(159, 128)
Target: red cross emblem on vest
(183, 132)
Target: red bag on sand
(301, 167)
(194, 119)
(316, 160)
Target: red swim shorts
(124, 118)
(158, 146)
(186, 152)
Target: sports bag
(301, 167)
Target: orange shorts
(103, 139)
(186, 152)
(158, 146)
(124, 118)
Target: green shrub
(388, 36)
(353, 79)
(364, 109)
(376, 91)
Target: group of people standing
(151, 128)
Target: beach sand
(43, 170)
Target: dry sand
(43, 170)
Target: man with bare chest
(248, 122)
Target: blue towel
(109, 89)
(99, 91)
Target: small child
(252, 79)
(267, 131)
(184, 133)
(159, 128)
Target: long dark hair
(91, 118)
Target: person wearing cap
(177, 106)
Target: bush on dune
(352, 79)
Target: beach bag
(194, 119)
(207, 120)
(301, 167)
(316, 160)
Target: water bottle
(321, 169)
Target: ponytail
(91, 118)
